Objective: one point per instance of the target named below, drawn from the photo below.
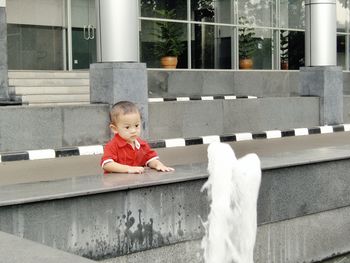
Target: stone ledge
(99, 183)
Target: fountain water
(233, 187)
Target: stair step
(47, 74)
(50, 87)
(48, 82)
(52, 90)
(54, 98)
(43, 104)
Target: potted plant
(169, 34)
(247, 43)
(284, 49)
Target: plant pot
(284, 65)
(245, 63)
(168, 62)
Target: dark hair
(122, 107)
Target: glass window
(34, 47)
(296, 49)
(292, 14)
(255, 46)
(219, 11)
(155, 8)
(259, 11)
(262, 56)
(211, 46)
(156, 42)
(284, 49)
(342, 15)
(341, 51)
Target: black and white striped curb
(176, 142)
(272, 134)
(51, 153)
(219, 97)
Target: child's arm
(114, 167)
(159, 166)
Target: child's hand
(159, 166)
(136, 170)
(162, 168)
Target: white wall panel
(36, 12)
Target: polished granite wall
(4, 93)
(268, 83)
(52, 127)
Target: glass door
(83, 17)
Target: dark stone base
(10, 103)
(111, 82)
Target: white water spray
(233, 187)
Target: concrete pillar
(118, 77)
(4, 90)
(117, 30)
(326, 83)
(321, 77)
(113, 82)
(320, 33)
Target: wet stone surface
(339, 259)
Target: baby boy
(127, 152)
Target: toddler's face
(128, 126)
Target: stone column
(118, 76)
(4, 90)
(321, 77)
(326, 83)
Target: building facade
(214, 34)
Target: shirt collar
(137, 144)
(122, 143)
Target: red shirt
(118, 150)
